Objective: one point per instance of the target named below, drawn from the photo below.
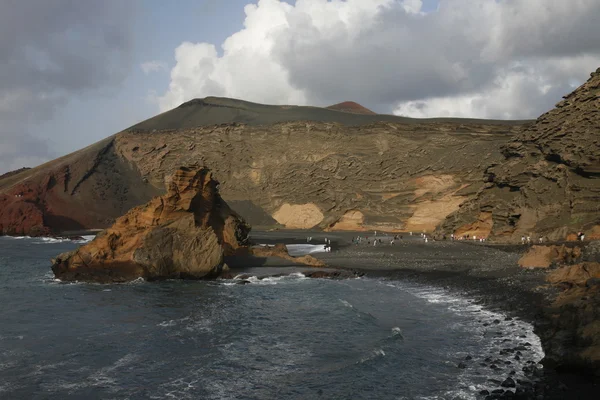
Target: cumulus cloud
(153, 66)
(50, 51)
(486, 58)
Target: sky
(73, 72)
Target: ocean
(274, 338)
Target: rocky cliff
(183, 234)
(570, 331)
(295, 167)
(548, 180)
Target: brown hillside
(295, 166)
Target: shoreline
(485, 272)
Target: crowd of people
(389, 239)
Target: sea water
(275, 338)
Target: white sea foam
(344, 302)
(50, 240)
(377, 353)
(269, 280)
(136, 281)
(485, 324)
(53, 240)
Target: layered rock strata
(548, 182)
(183, 234)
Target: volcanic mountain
(351, 107)
(547, 183)
(286, 166)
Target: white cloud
(486, 58)
(153, 66)
(412, 6)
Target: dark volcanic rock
(509, 383)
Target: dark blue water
(279, 338)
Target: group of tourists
(387, 239)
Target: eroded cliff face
(183, 234)
(548, 182)
(384, 176)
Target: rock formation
(280, 250)
(545, 256)
(548, 182)
(183, 234)
(570, 323)
(296, 167)
(573, 335)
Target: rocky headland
(183, 234)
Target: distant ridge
(351, 107)
(221, 110)
(15, 172)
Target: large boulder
(183, 234)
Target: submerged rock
(183, 234)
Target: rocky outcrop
(280, 251)
(545, 256)
(548, 182)
(570, 327)
(183, 234)
(572, 338)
